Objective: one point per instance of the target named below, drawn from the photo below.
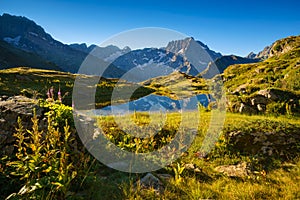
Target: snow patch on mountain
(34, 34)
(114, 56)
(15, 41)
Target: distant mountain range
(24, 43)
(223, 62)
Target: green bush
(276, 108)
(58, 113)
(50, 164)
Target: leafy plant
(178, 169)
(43, 161)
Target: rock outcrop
(283, 144)
(10, 109)
(277, 48)
(151, 181)
(258, 102)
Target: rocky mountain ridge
(26, 35)
(189, 55)
(186, 55)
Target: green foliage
(178, 169)
(59, 170)
(177, 85)
(158, 134)
(43, 162)
(58, 113)
(276, 108)
(50, 164)
(36, 82)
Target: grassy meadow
(53, 164)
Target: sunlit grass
(279, 182)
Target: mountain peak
(12, 26)
(251, 55)
(26, 35)
(279, 47)
(194, 51)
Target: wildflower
(59, 95)
(51, 92)
(48, 94)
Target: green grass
(272, 178)
(177, 85)
(34, 83)
(279, 72)
(279, 180)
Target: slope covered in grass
(177, 85)
(279, 73)
(11, 56)
(35, 83)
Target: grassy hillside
(262, 153)
(11, 56)
(279, 73)
(189, 177)
(36, 82)
(177, 85)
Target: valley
(211, 126)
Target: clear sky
(230, 27)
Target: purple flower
(59, 95)
(52, 92)
(48, 94)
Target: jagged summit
(182, 46)
(251, 55)
(194, 51)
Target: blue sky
(230, 27)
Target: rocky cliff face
(152, 62)
(264, 54)
(251, 55)
(187, 55)
(11, 56)
(197, 53)
(108, 53)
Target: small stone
(4, 97)
(239, 170)
(189, 166)
(150, 181)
